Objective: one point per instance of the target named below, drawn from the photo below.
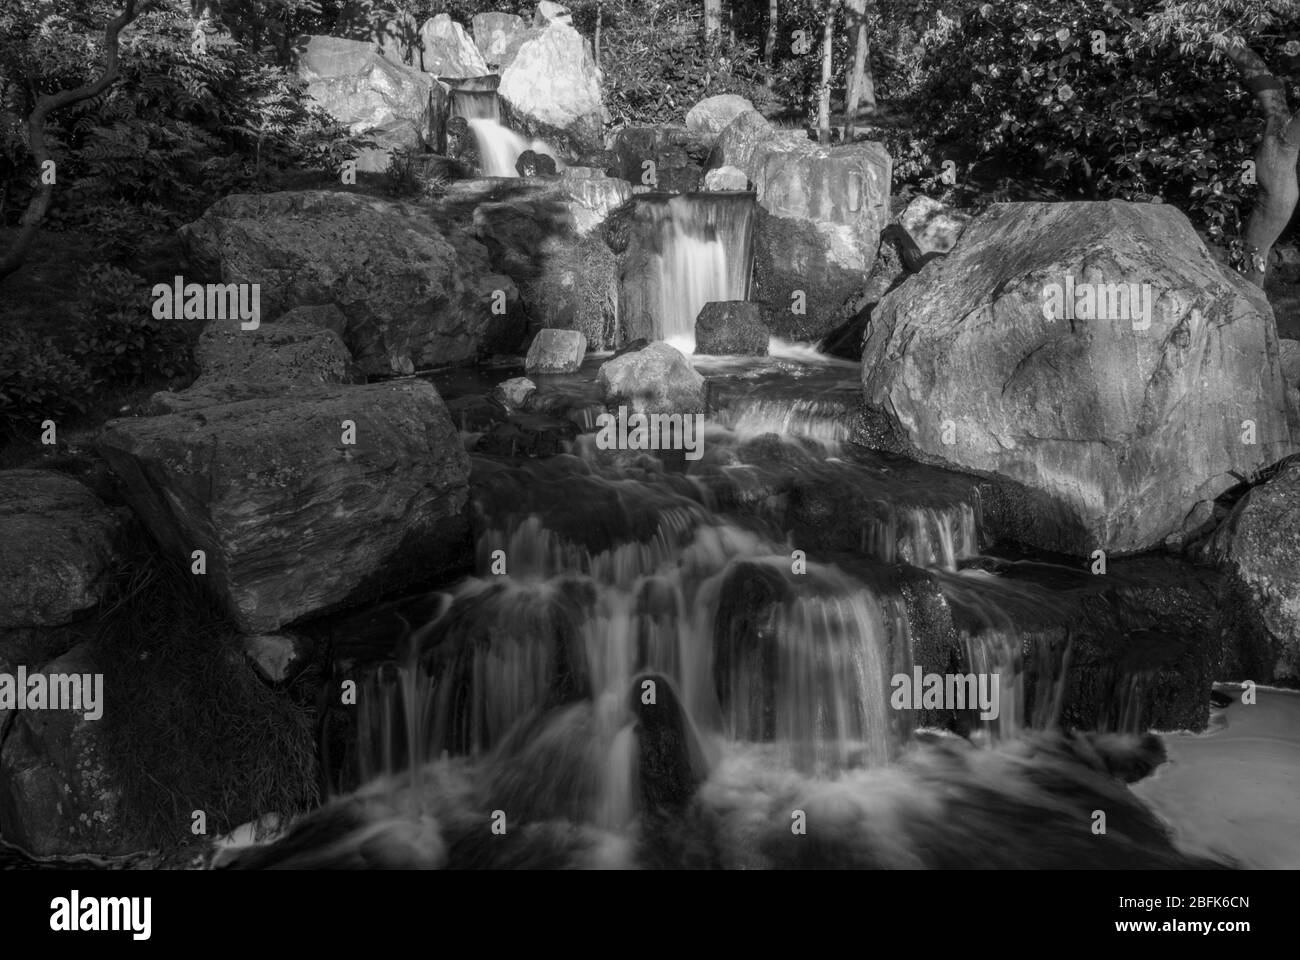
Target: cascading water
(475, 98)
(698, 248)
(499, 147)
(646, 652)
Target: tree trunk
(600, 15)
(712, 18)
(769, 42)
(824, 96)
(1275, 161)
(860, 85)
(46, 104)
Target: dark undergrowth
(188, 724)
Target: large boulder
(416, 292)
(58, 795)
(732, 327)
(303, 503)
(60, 544)
(556, 351)
(493, 33)
(550, 88)
(290, 351)
(1118, 427)
(396, 106)
(1259, 544)
(822, 211)
(657, 378)
(448, 51)
(712, 114)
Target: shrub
(116, 337)
(38, 381)
(1016, 93)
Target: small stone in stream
(556, 351)
(278, 657)
(514, 393)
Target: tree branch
(45, 105)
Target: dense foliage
(1068, 98)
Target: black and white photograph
(650, 435)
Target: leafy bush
(1021, 93)
(657, 65)
(117, 339)
(38, 381)
(177, 130)
(408, 175)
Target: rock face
(493, 33)
(293, 520)
(556, 351)
(416, 293)
(710, 115)
(447, 50)
(60, 543)
(726, 178)
(1260, 544)
(732, 327)
(396, 106)
(56, 793)
(932, 225)
(290, 351)
(551, 88)
(1123, 427)
(655, 379)
(822, 210)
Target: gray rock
(932, 225)
(734, 327)
(60, 544)
(372, 95)
(57, 792)
(550, 87)
(278, 657)
(293, 521)
(822, 211)
(712, 114)
(289, 352)
(493, 33)
(726, 178)
(1260, 544)
(1122, 430)
(514, 393)
(655, 379)
(415, 291)
(556, 351)
(448, 51)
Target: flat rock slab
(294, 521)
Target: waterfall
(499, 147)
(693, 249)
